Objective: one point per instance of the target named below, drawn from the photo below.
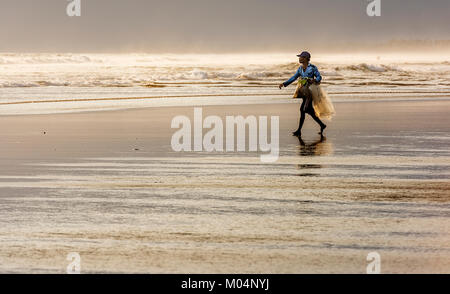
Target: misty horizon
(392, 46)
(215, 26)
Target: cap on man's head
(305, 54)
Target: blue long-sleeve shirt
(310, 72)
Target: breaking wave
(368, 68)
(158, 71)
(6, 59)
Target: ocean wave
(7, 59)
(259, 75)
(367, 68)
(96, 70)
(33, 84)
(225, 75)
(327, 73)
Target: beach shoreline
(107, 184)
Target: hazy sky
(213, 25)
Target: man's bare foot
(321, 129)
(297, 133)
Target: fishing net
(322, 104)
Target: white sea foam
(369, 67)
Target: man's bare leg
(298, 132)
(322, 125)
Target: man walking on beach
(309, 75)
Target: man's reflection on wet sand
(319, 147)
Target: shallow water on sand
(322, 207)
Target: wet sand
(108, 186)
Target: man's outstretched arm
(288, 82)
